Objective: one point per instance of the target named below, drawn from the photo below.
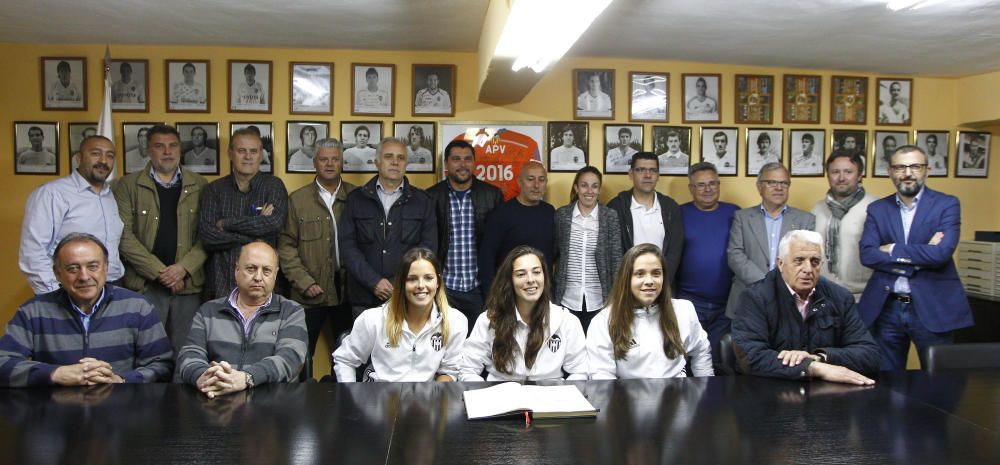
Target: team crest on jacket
(436, 342)
(554, 342)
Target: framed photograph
(895, 101)
(754, 99)
(64, 83)
(77, 133)
(35, 147)
(568, 144)
(621, 142)
(200, 147)
(420, 143)
(311, 88)
(249, 86)
(360, 139)
(434, 90)
(885, 144)
(935, 144)
(972, 154)
(719, 147)
(851, 139)
(593, 93)
(848, 100)
(802, 99)
(672, 145)
(266, 132)
(188, 88)
(130, 85)
(764, 146)
(648, 96)
(502, 148)
(133, 144)
(301, 146)
(373, 89)
(806, 152)
(702, 94)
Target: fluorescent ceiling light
(539, 32)
(896, 5)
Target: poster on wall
(501, 150)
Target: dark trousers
(713, 320)
(316, 324)
(896, 326)
(584, 316)
(470, 303)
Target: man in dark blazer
(909, 238)
(756, 231)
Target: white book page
(494, 400)
(555, 399)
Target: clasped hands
(221, 379)
(88, 372)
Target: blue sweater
(510, 225)
(704, 274)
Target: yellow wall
(937, 104)
(978, 100)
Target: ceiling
(952, 38)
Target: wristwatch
(249, 380)
(822, 355)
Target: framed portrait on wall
(502, 148)
(702, 94)
(130, 85)
(972, 154)
(672, 145)
(848, 100)
(935, 144)
(77, 133)
(35, 146)
(754, 99)
(200, 147)
(806, 155)
(764, 146)
(300, 148)
(568, 146)
(885, 144)
(648, 96)
(311, 88)
(265, 130)
(134, 142)
(249, 86)
(801, 99)
(720, 146)
(373, 89)
(420, 143)
(188, 86)
(434, 90)
(851, 139)
(64, 83)
(593, 93)
(621, 141)
(359, 139)
(895, 101)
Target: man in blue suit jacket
(914, 293)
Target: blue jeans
(896, 326)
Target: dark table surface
(908, 418)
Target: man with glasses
(914, 293)
(756, 231)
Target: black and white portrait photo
(249, 86)
(935, 144)
(973, 154)
(188, 86)
(130, 85)
(301, 146)
(35, 147)
(702, 94)
(621, 141)
(77, 133)
(64, 83)
(763, 147)
(200, 147)
(434, 90)
(419, 138)
(593, 93)
(806, 151)
(568, 143)
(312, 88)
(360, 139)
(885, 144)
(719, 147)
(895, 100)
(372, 89)
(850, 139)
(648, 96)
(672, 146)
(265, 131)
(134, 145)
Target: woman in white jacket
(414, 336)
(643, 333)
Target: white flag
(104, 125)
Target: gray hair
(77, 237)
(329, 143)
(389, 140)
(768, 167)
(702, 166)
(803, 235)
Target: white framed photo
(672, 146)
(64, 83)
(419, 137)
(568, 143)
(895, 101)
(265, 130)
(935, 144)
(702, 94)
(35, 146)
(621, 141)
(200, 147)
(972, 154)
(594, 93)
(134, 144)
(77, 133)
(373, 89)
(188, 88)
(763, 146)
(648, 96)
(249, 86)
(311, 88)
(130, 85)
(434, 90)
(806, 152)
(885, 144)
(719, 146)
(301, 145)
(360, 140)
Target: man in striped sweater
(86, 332)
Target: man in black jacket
(462, 204)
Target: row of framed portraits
(250, 85)
(801, 98)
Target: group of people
(229, 284)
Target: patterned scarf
(838, 209)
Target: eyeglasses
(705, 185)
(773, 184)
(916, 168)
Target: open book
(541, 401)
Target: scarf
(838, 209)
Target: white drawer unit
(979, 268)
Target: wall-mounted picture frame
(300, 148)
(935, 143)
(64, 83)
(848, 100)
(884, 145)
(802, 99)
(502, 148)
(35, 146)
(754, 99)
(311, 88)
(720, 146)
(373, 89)
(895, 101)
(419, 137)
(594, 94)
(764, 145)
(649, 95)
(188, 86)
(806, 152)
(200, 146)
(702, 94)
(434, 90)
(130, 85)
(266, 132)
(972, 154)
(851, 139)
(672, 145)
(621, 141)
(249, 86)
(569, 142)
(77, 132)
(134, 143)
(360, 139)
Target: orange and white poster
(501, 150)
